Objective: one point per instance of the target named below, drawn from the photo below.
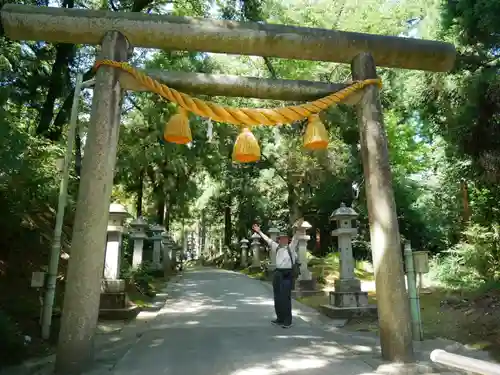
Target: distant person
(283, 276)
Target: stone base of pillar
(112, 286)
(347, 285)
(156, 266)
(306, 284)
(349, 304)
(114, 303)
(305, 288)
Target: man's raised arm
(272, 244)
(294, 248)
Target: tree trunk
(59, 78)
(465, 199)
(140, 193)
(293, 205)
(228, 230)
(160, 207)
(168, 206)
(63, 114)
(78, 154)
(203, 233)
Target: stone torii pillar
(244, 249)
(392, 299)
(138, 235)
(157, 230)
(82, 291)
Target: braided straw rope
(239, 116)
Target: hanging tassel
(316, 136)
(246, 148)
(177, 128)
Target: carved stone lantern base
(349, 304)
(114, 303)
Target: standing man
(283, 276)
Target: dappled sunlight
(257, 301)
(319, 349)
(290, 364)
(190, 307)
(297, 337)
(232, 293)
(156, 342)
(115, 339)
(361, 348)
(284, 366)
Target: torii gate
(117, 32)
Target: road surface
(218, 323)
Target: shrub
(12, 348)
(141, 277)
(472, 262)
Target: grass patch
(254, 273)
(326, 270)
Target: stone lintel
(81, 26)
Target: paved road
(218, 323)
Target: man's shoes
(288, 325)
(276, 322)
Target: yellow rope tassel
(246, 148)
(177, 128)
(240, 116)
(316, 136)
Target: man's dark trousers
(282, 290)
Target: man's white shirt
(283, 260)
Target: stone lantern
(305, 279)
(157, 231)
(255, 245)
(244, 249)
(138, 235)
(116, 220)
(167, 243)
(344, 216)
(114, 302)
(347, 300)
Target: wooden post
(392, 299)
(83, 286)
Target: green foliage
(472, 262)
(141, 277)
(12, 345)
